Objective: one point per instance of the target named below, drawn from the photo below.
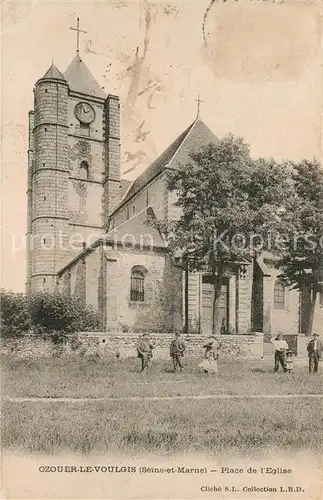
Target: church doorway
(207, 305)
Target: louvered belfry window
(137, 290)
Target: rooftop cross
(78, 30)
(198, 100)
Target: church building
(88, 230)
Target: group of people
(177, 350)
(283, 355)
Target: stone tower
(73, 169)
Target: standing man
(280, 348)
(145, 351)
(177, 348)
(314, 349)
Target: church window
(137, 290)
(128, 213)
(84, 170)
(133, 210)
(279, 295)
(44, 198)
(44, 280)
(147, 198)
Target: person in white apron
(211, 355)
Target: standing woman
(211, 355)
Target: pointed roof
(53, 72)
(136, 231)
(80, 79)
(142, 232)
(191, 140)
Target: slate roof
(135, 231)
(124, 186)
(80, 79)
(53, 72)
(194, 137)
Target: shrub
(14, 317)
(45, 312)
(54, 312)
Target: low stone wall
(297, 343)
(108, 344)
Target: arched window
(279, 295)
(84, 170)
(137, 287)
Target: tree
(302, 263)
(229, 203)
(45, 312)
(56, 312)
(13, 313)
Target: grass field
(110, 378)
(163, 427)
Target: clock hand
(84, 109)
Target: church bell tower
(73, 168)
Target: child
(211, 355)
(289, 360)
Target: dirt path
(160, 398)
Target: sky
(256, 64)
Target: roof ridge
(166, 158)
(189, 129)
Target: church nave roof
(194, 137)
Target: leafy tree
(45, 312)
(302, 263)
(225, 199)
(13, 313)
(52, 312)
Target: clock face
(84, 112)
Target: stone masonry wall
(111, 196)
(49, 228)
(104, 345)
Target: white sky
(259, 77)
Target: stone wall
(48, 226)
(108, 344)
(153, 196)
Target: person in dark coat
(314, 350)
(176, 351)
(145, 351)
